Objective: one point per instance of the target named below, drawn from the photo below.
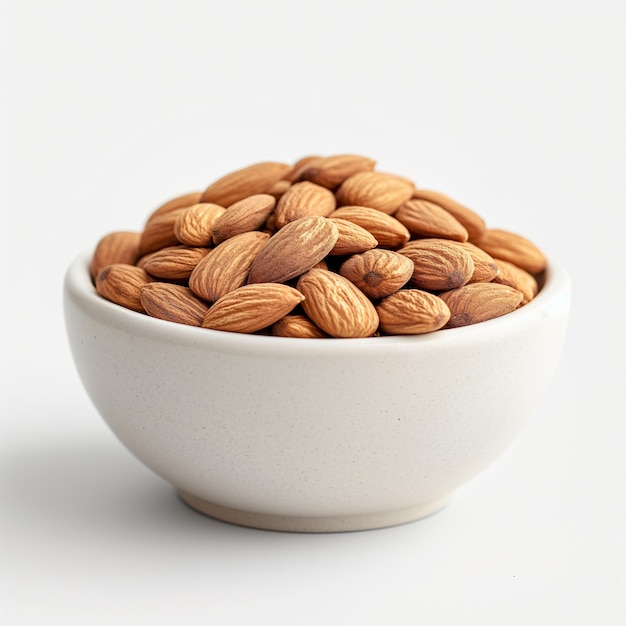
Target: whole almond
(194, 225)
(378, 273)
(480, 302)
(293, 250)
(377, 190)
(293, 175)
(243, 216)
(517, 278)
(473, 223)
(302, 200)
(412, 312)
(159, 232)
(252, 307)
(331, 171)
(225, 268)
(485, 267)
(279, 188)
(297, 326)
(174, 303)
(508, 246)
(121, 283)
(116, 247)
(387, 230)
(426, 219)
(174, 262)
(248, 181)
(334, 304)
(439, 265)
(352, 238)
(179, 202)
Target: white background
(108, 109)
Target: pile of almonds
(327, 247)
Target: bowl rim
(79, 289)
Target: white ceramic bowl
(314, 435)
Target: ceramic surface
(314, 434)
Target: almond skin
(243, 216)
(293, 250)
(248, 181)
(439, 265)
(378, 273)
(179, 202)
(173, 263)
(412, 312)
(297, 326)
(226, 267)
(377, 190)
(251, 308)
(332, 171)
(174, 303)
(159, 232)
(387, 230)
(302, 200)
(293, 175)
(426, 219)
(334, 304)
(121, 284)
(479, 302)
(508, 246)
(279, 188)
(517, 278)
(352, 238)
(485, 266)
(116, 247)
(194, 225)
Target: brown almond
(302, 200)
(159, 232)
(485, 267)
(194, 225)
(352, 238)
(426, 219)
(248, 181)
(174, 303)
(293, 175)
(279, 188)
(378, 273)
(179, 202)
(293, 250)
(479, 302)
(508, 246)
(121, 283)
(439, 264)
(116, 247)
(225, 268)
(243, 216)
(297, 326)
(377, 190)
(473, 223)
(334, 304)
(517, 278)
(252, 307)
(174, 262)
(412, 312)
(331, 171)
(387, 230)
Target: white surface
(516, 108)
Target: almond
(194, 225)
(297, 326)
(180, 202)
(426, 219)
(331, 171)
(517, 278)
(352, 238)
(279, 188)
(252, 307)
(226, 267)
(302, 200)
(243, 216)
(378, 273)
(335, 305)
(377, 190)
(412, 312)
(293, 250)
(173, 303)
(473, 223)
(439, 264)
(159, 232)
(117, 247)
(293, 175)
(248, 181)
(485, 267)
(121, 283)
(479, 302)
(173, 263)
(513, 248)
(387, 230)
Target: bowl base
(297, 524)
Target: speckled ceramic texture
(314, 435)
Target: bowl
(314, 435)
